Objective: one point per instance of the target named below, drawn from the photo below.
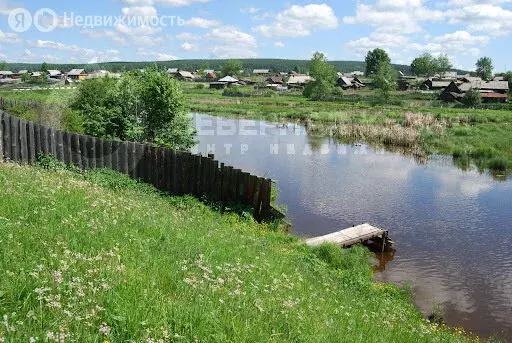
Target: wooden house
(77, 74)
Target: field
(97, 257)
(412, 122)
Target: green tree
(385, 81)
(484, 68)
(423, 65)
(374, 59)
(442, 64)
(44, 68)
(508, 77)
(4, 65)
(472, 98)
(232, 68)
(324, 77)
(140, 106)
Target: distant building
(6, 74)
(183, 75)
(431, 85)
(54, 74)
(350, 82)
(491, 91)
(299, 80)
(261, 71)
(275, 80)
(77, 74)
(211, 76)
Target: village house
(54, 74)
(491, 91)
(6, 74)
(346, 82)
(261, 71)
(77, 74)
(226, 81)
(210, 76)
(275, 80)
(434, 85)
(183, 75)
(296, 81)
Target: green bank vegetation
(98, 257)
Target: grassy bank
(99, 258)
(474, 136)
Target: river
(453, 228)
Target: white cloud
(459, 42)
(187, 36)
(159, 56)
(397, 16)
(140, 11)
(102, 34)
(9, 38)
(279, 44)
(230, 42)
(202, 23)
(172, 3)
(382, 40)
(137, 30)
(189, 47)
(249, 10)
(299, 21)
(482, 17)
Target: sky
(94, 31)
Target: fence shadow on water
(172, 171)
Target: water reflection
(452, 227)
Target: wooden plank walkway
(351, 236)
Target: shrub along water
(98, 257)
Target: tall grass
(121, 263)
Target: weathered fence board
(176, 172)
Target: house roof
(228, 79)
(172, 70)
(23, 71)
(6, 72)
(36, 74)
(493, 95)
(211, 75)
(185, 74)
(276, 79)
(299, 79)
(54, 72)
(495, 85)
(440, 84)
(346, 80)
(261, 71)
(76, 72)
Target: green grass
(98, 257)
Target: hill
(98, 257)
(276, 65)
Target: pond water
(453, 228)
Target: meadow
(413, 122)
(98, 257)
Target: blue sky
(183, 29)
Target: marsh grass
(94, 257)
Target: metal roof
(76, 72)
(228, 79)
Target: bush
(200, 86)
(472, 98)
(140, 106)
(73, 121)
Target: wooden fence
(172, 171)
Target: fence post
(15, 146)
(132, 161)
(23, 141)
(52, 142)
(1, 132)
(174, 180)
(31, 143)
(123, 158)
(76, 154)
(66, 141)
(115, 156)
(266, 195)
(256, 204)
(98, 152)
(107, 154)
(59, 140)
(83, 152)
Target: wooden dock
(354, 235)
